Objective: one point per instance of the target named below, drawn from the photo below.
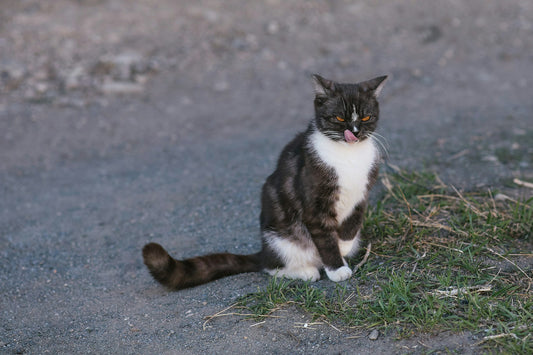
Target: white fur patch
(301, 261)
(350, 247)
(352, 163)
(341, 274)
(354, 115)
(303, 273)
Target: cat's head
(347, 112)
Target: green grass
(441, 260)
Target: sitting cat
(312, 205)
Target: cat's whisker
(381, 136)
(385, 140)
(384, 146)
(380, 144)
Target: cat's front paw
(340, 274)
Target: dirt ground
(123, 122)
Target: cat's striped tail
(179, 274)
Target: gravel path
(126, 122)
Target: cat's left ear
(375, 85)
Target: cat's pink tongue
(349, 136)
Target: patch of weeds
(442, 260)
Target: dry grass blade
(256, 324)
(433, 196)
(437, 225)
(352, 295)
(218, 314)
(222, 314)
(365, 258)
(388, 185)
(458, 155)
(511, 262)
(454, 291)
(503, 197)
(332, 326)
(468, 204)
(443, 246)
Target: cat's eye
(366, 118)
(340, 119)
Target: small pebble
(373, 335)
(501, 197)
(272, 28)
(116, 87)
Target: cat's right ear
(375, 85)
(323, 87)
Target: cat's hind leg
(300, 260)
(305, 273)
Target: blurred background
(123, 122)
(89, 78)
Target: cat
(312, 205)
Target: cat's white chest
(352, 164)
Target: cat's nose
(355, 130)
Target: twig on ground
(458, 155)
(492, 337)
(523, 183)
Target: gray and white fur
(312, 205)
